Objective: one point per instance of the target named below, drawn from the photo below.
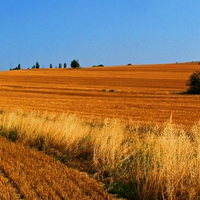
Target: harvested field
(140, 93)
(28, 174)
(142, 152)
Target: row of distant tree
(16, 68)
(74, 64)
(193, 82)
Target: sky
(108, 32)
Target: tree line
(74, 65)
(193, 82)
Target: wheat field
(130, 128)
(27, 174)
(144, 93)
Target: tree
(60, 65)
(37, 66)
(194, 83)
(75, 64)
(50, 66)
(19, 66)
(65, 65)
(16, 68)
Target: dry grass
(137, 161)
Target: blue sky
(108, 32)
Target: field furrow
(7, 191)
(140, 93)
(28, 174)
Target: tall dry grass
(134, 160)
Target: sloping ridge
(28, 174)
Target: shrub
(194, 83)
(98, 65)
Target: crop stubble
(140, 93)
(28, 174)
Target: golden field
(132, 160)
(27, 174)
(129, 127)
(141, 93)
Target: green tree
(60, 65)
(37, 66)
(19, 66)
(65, 65)
(16, 68)
(194, 83)
(50, 66)
(75, 64)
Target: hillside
(141, 93)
